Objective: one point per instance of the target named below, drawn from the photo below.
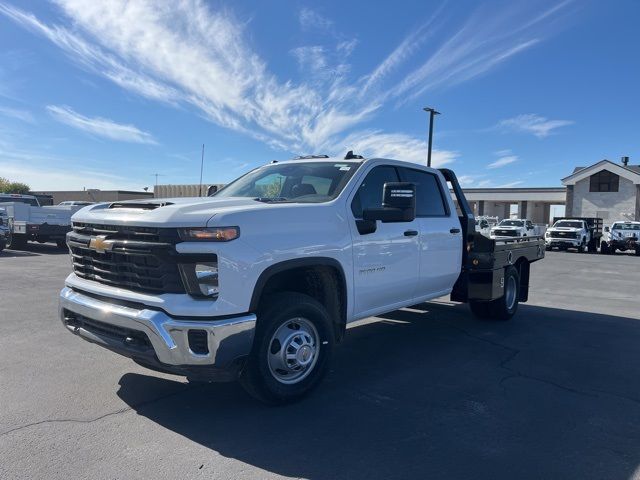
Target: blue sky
(105, 94)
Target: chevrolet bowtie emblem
(100, 244)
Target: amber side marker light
(214, 234)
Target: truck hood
(166, 212)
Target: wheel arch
(322, 278)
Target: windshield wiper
(271, 199)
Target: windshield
(566, 224)
(511, 223)
(310, 182)
(626, 226)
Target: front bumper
(562, 242)
(168, 343)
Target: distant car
(517, 227)
(75, 203)
(623, 236)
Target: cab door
(440, 239)
(386, 261)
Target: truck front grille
(136, 258)
(563, 234)
(506, 233)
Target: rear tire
(291, 350)
(604, 248)
(506, 306)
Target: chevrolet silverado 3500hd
(259, 281)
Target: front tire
(291, 350)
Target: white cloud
(189, 54)
(311, 58)
(101, 127)
(310, 19)
(535, 124)
(394, 146)
(18, 114)
(501, 162)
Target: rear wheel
(506, 306)
(291, 350)
(604, 248)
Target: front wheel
(291, 350)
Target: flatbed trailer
(488, 264)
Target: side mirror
(607, 229)
(211, 190)
(398, 204)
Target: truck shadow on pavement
(430, 392)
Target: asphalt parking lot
(426, 392)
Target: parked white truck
(259, 281)
(581, 233)
(28, 221)
(623, 236)
(515, 227)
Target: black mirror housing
(211, 190)
(398, 204)
(606, 229)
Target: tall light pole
(432, 113)
(201, 167)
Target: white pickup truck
(516, 227)
(259, 281)
(623, 236)
(581, 233)
(28, 221)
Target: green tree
(7, 186)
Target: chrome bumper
(228, 339)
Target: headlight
(200, 279)
(214, 234)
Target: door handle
(454, 230)
(410, 233)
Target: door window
(429, 199)
(369, 194)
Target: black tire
(637, 251)
(258, 377)
(61, 244)
(17, 241)
(506, 306)
(480, 309)
(604, 248)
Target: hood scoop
(139, 205)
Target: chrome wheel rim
(293, 350)
(510, 293)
